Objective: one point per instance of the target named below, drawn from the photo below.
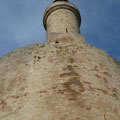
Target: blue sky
(21, 23)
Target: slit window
(66, 30)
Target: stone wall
(63, 79)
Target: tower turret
(62, 17)
(61, 0)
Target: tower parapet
(62, 17)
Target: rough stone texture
(63, 79)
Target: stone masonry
(62, 79)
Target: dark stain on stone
(97, 94)
(85, 82)
(54, 87)
(70, 90)
(107, 74)
(81, 47)
(95, 68)
(69, 67)
(77, 119)
(58, 52)
(81, 104)
(105, 80)
(116, 62)
(88, 108)
(73, 52)
(114, 90)
(22, 88)
(48, 43)
(52, 51)
(69, 74)
(3, 104)
(25, 94)
(101, 65)
(17, 109)
(42, 91)
(37, 52)
(1, 92)
(19, 96)
(114, 95)
(91, 88)
(38, 58)
(58, 47)
(60, 92)
(89, 59)
(42, 46)
(98, 76)
(71, 60)
(103, 90)
(41, 95)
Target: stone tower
(62, 79)
(62, 17)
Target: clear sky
(21, 23)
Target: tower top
(60, 0)
(62, 17)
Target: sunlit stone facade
(61, 79)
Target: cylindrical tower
(62, 17)
(61, 79)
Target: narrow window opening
(66, 30)
(105, 117)
(56, 42)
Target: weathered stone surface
(63, 79)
